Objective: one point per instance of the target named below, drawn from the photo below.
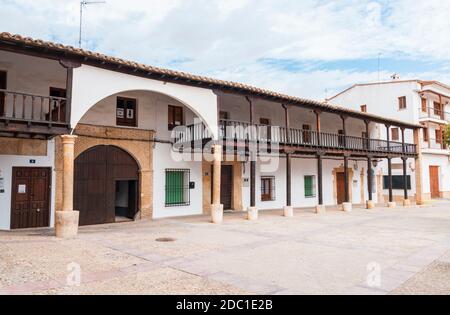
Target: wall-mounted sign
(32, 161)
(120, 113)
(130, 113)
(192, 185)
(22, 189)
(246, 182)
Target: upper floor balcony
(242, 134)
(32, 115)
(434, 113)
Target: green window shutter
(309, 190)
(174, 187)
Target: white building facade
(117, 141)
(419, 102)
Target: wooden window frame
(271, 196)
(402, 104)
(171, 119)
(125, 121)
(306, 133)
(424, 105)
(395, 134)
(425, 134)
(437, 108)
(439, 136)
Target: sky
(306, 48)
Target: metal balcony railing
(432, 112)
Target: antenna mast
(82, 5)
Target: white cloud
(228, 38)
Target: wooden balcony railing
(32, 111)
(245, 132)
(432, 112)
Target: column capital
(68, 139)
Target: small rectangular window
(364, 108)
(310, 186)
(439, 137)
(437, 108)
(402, 102)
(424, 105)
(397, 182)
(177, 187)
(395, 134)
(268, 188)
(425, 134)
(306, 133)
(175, 116)
(126, 112)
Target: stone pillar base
(370, 204)
(252, 214)
(347, 207)
(66, 224)
(321, 209)
(406, 203)
(217, 214)
(288, 211)
(392, 205)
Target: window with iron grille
(310, 186)
(177, 187)
(397, 182)
(268, 188)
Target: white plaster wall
(94, 84)
(152, 112)
(302, 167)
(164, 158)
(7, 162)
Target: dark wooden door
(58, 107)
(340, 180)
(30, 197)
(2, 95)
(434, 182)
(226, 187)
(96, 173)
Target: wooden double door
(97, 172)
(30, 197)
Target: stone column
(66, 224)
(217, 207)
(418, 165)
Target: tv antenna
(82, 5)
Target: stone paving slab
(307, 254)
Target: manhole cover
(165, 239)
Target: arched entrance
(105, 185)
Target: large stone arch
(129, 140)
(95, 84)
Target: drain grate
(165, 239)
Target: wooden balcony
(31, 115)
(238, 134)
(434, 113)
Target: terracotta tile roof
(221, 84)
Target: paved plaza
(380, 251)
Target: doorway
(125, 200)
(434, 182)
(226, 187)
(30, 197)
(340, 180)
(99, 173)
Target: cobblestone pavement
(380, 251)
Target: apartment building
(90, 139)
(416, 102)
